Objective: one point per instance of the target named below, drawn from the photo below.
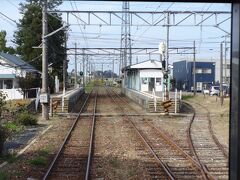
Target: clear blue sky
(207, 38)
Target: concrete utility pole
(86, 80)
(221, 73)
(102, 72)
(89, 71)
(64, 67)
(112, 69)
(44, 91)
(167, 58)
(75, 74)
(83, 68)
(194, 68)
(225, 60)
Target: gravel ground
(33, 162)
(17, 142)
(115, 142)
(219, 115)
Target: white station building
(144, 76)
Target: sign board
(44, 98)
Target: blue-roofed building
(183, 75)
(11, 67)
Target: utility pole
(86, 71)
(75, 74)
(112, 69)
(83, 68)
(89, 72)
(44, 92)
(80, 69)
(225, 59)
(64, 68)
(194, 68)
(221, 73)
(102, 72)
(167, 58)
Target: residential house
(183, 75)
(10, 68)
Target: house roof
(7, 76)
(149, 64)
(17, 62)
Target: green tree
(29, 34)
(3, 42)
(3, 132)
(27, 82)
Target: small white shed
(144, 76)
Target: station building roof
(149, 64)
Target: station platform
(60, 103)
(152, 102)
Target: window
(144, 80)
(198, 71)
(8, 84)
(1, 84)
(203, 71)
(158, 81)
(207, 71)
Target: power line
(9, 18)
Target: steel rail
(91, 139)
(173, 144)
(220, 146)
(163, 165)
(206, 174)
(65, 140)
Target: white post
(180, 95)
(63, 99)
(51, 108)
(175, 100)
(155, 99)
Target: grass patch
(186, 97)
(89, 86)
(13, 127)
(10, 158)
(38, 161)
(3, 176)
(114, 162)
(44, 152)
(42, 158)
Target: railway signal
(166, 105)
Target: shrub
(3, 176)
(186, 97)
(13, 127)
(26, 119)
(3, 137)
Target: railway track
(205, 146)
(73, 159)
(179, 164)
(165, 156)
(213, 157)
